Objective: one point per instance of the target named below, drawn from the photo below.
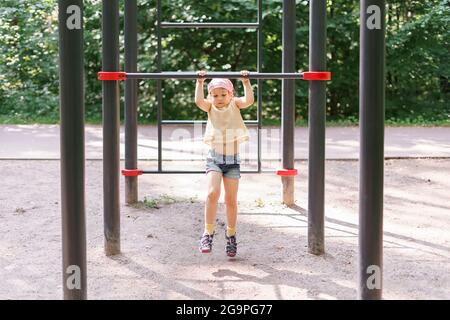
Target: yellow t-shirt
(225, 128)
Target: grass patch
(158, 202)
(150, 203)
(21, 119)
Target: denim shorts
(228, 165)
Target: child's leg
(214, 179)
(231, 189)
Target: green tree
(28, 59)
(417, 57)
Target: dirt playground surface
(160, 259)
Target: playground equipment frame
(372, 60)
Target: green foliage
(164, 199)
(417, 58)
(150, 203)
(93, 58)
(28, 59)
(343, 58)
(418, 68)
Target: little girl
(225, 130)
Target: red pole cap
(103, 75)
(131, 172)
(316, 75)
(287, 172)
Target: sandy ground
(160, 259)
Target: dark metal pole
(131, 96)
(71, 92)
(371, 104)
(288, 99)
(260, 44)
(317, 102)
(159, 100)
(111, 128)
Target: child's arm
(200, 100)
(248, 98)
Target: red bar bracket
(287, 172)
(131, 172)
(315, 75)
(103, 75)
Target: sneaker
(206, 243)
(231, 247)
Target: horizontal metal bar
(183, 121)
(209, 75)
(118, 75)
(246, 25)
(250, 122)
(195, 172)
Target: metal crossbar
(220, 25)
(196, 172)
(307, 75)
(248, 122)
(209, 75)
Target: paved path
(185, 142)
